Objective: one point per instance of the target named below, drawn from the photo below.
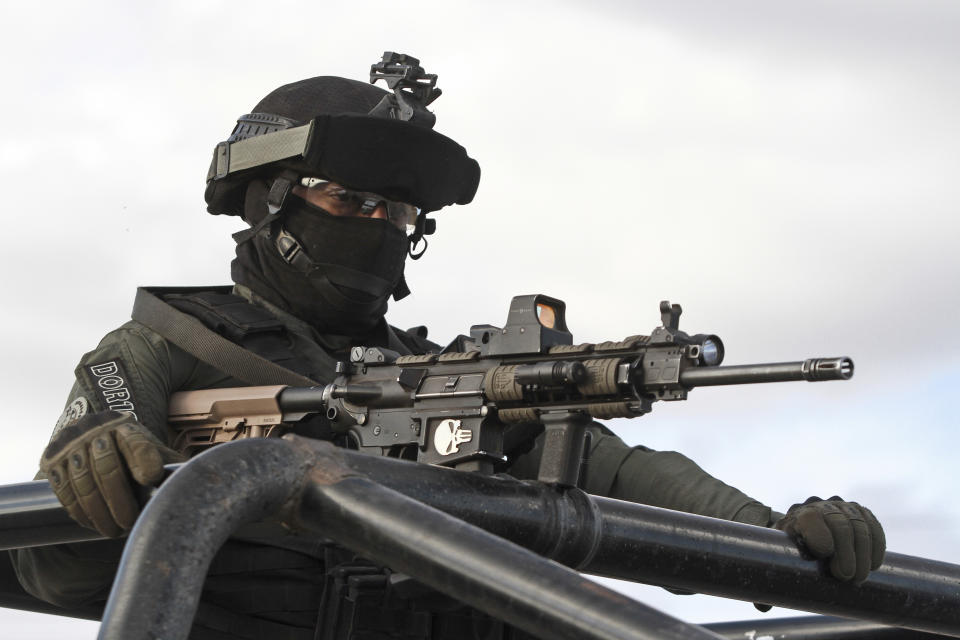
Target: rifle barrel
(812, 370)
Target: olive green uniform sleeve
(132, 370)
(665, 479)
(658, 478)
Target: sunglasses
(341, 201)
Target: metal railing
(492, 542)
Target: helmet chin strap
(281, 187)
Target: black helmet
(349, 132)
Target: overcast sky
(785, 171)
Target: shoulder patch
(74, 411)
(112, 386)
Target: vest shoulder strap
(193, 336)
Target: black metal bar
(646, 544)
(31, 516)
(814, 628)
(483, 570)
(755, 564)
(157, 588)
(657, 546)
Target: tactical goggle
(351, 203)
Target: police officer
(335, 179)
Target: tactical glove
(90, 463)
(846, 533)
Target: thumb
(142, 454)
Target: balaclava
(355, 264)
(351, 265)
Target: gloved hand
(846, 533)
(90, 463)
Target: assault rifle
(457, 407)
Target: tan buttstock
(204, 418)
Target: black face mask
(348, 269)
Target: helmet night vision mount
(413, 89)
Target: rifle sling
(206, 345)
